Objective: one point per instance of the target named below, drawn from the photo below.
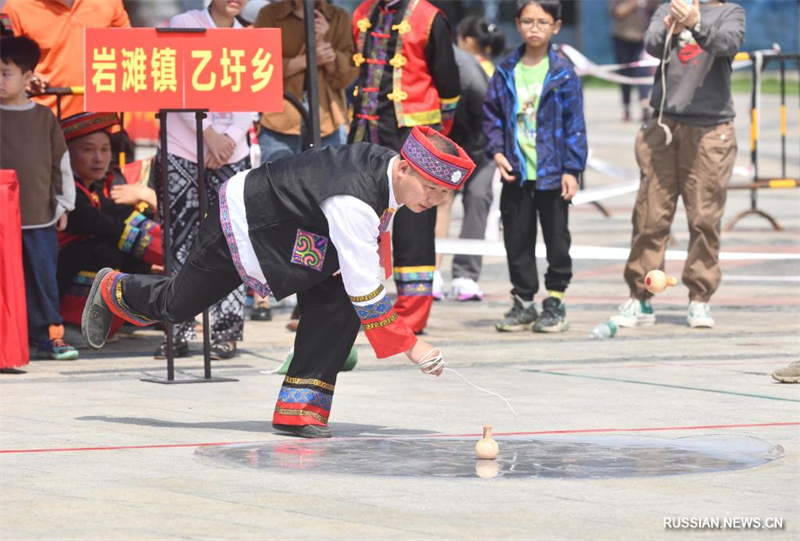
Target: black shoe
(11, 371)
(307, 431)
(261, 313)
(97, 316)
(518, 318)
(179, 349)
(553, 317)
(223, 350)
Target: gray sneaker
(97, 316)
(789, 374)
(553, 317)
(518, 318)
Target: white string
(436, 362)
(432, 365)
(485, 391)
(664, 60)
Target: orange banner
(222, 70)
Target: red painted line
(67, 449)
(656, 364)
(542, 432)
(656, 429)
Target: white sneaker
(465, 289)
(700, 315)
(634, 313)
(438, 283)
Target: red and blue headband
(86, 123)
(433, 164)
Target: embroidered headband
(86, 123)
(433, 164)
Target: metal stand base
(732, 223)
(183, 377)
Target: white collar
(212, 24)
(28, 106)
(392, 201)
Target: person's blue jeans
(40, 265)
(275, 146)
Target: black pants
(519, 206)
(207, 276)
(326, 333)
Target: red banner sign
(222, 70)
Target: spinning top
(656, 281)
(486, 448)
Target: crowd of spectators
(80, 212)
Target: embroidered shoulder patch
(309, 250)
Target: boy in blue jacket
(533, 118)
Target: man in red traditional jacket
(408, 78)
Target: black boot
(306, 431)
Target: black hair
(20, 51)
(489, 36)
(443, 144)
(551, 7)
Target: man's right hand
(418, 352)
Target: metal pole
(199, 115)
(165, 234)
(122, 133)
(312, 86)
(783, 117)
(756, 67)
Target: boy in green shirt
(533, 118)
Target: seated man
(101, 232)
(314, 225)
